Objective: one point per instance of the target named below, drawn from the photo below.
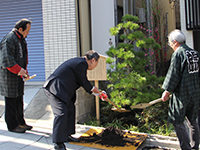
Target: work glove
(103, 96)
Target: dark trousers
(189, 140)
(64, 118)
(14, 112)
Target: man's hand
(95, 90)
(165, 96)
(23, 73)
(101, 94)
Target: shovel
(116, 108)
(144, 105)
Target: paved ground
(39, 138)
(38, 114)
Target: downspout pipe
(79, 28)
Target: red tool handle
(103, 95)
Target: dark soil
(112, 137)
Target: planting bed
(111, 138)
(114, 137)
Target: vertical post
(125, 7)
(97, 104)
(134, 8)
(131, 7)
(125, 11)
(116, 22)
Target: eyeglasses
(169, 43)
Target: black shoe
(72, 139)
(25, 126)
(60, 146)
(18, 130)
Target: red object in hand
(103, 95)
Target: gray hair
(178, 36)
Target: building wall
(167, 16)
(169, 8)
(61, 42)
(188, 34)
(85, 27)
(102, 19)
(60, 32)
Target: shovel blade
(120, 110)
(144, 105)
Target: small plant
(154, 120)
(92, 122)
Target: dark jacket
(13, 51)
(182, 80)
(67, 78)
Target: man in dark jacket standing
(60, 89)
(13, 70)
(182, 80)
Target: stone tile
(12, 145)
(41, 144)
(73, 147)
(36, 148)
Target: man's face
(92, 64)
(170, 43)
(25, 32)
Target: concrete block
(84, 105)
(38, 107)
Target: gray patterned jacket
(13, 51)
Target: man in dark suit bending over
(60, 89)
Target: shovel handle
(155, 101)
(108, 101)
(30, 77)
(112, 103)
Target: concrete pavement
(38, 113)
(39, 138)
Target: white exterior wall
(60, 34)
(102, 19)
(188, 34)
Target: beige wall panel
(85, 25)
(168, 8)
